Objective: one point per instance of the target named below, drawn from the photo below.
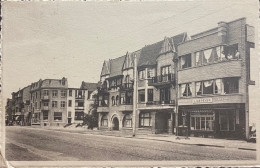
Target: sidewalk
(210, 142)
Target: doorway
(115, 124)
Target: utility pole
(135, 96)
(175, 60)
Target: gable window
(54, 93)
(186, 61)
(141, 95)
(186, 90)
(127, 121)
(141, 74)
(57, 116)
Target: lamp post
(175, 60)
(135, 96)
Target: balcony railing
(79, 108)
(45, 107)
(161, 79)
(45, 97)
(127, 86)
(162, 102)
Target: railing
(45, 97)
(162, 79)
(127, 86)
(79, 108)
(45, 107)
(162, 102)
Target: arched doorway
(115, 124)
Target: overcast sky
(72, 39)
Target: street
(35, 144)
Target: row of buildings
(194, 85)
(181, 85)
(50, 102)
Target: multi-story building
(48, 102)
(199, 85)
(80, 101)
(213, 79)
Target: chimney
(223, 31)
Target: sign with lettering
(201, 101)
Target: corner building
(213, 79)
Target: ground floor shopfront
(213, 120)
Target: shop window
(186, 90)
(227, 120)
(54, 93)
(45, 115)
(141, 95)
(79, 115)
(57, 116)
(186, 61)
(127, 121)
(150, 95)
(104, 121)
(141, 74)
(231, 85)
(145, 119)
(202, 121)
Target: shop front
(214, 120)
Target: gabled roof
(89, 86)
(129, 59)
(105, 68)
(116, 66)
(150, 53)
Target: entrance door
(69, 120)
(115, 124)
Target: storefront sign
(201, 101)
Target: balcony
(79, 108)
(45, 98)
(103, 109)
(157, 105)
(127, 86)
(162, 80)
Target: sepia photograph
(129, 83)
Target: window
(207, 87)
(80, 104)
(57, 116)
(45, 115)
(70, 92)
(165, 70)
(113, 100)
(62, 104)
(117, 100)
(63, 93)
(165, 95)
(127, 121)
(227, 120)
(150, 95)
(69, 114)
(104, 121)
(45, 104)
(36, 105)
(36, 95)
(79, 115)
(80, 93)
(186, 61)
(141, 95)
(150, 73)
(202, 121)
(45, 93)
(141, 74)
(70, 103)
(55, 93)
(186, 90)
(54, 103)
(145, 119)
(208, 56)
(231, 85)
(198, 58)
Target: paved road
(33, 144)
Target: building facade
(194, 86)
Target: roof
(89, 86)
(150, 53)
(105, 68)
(116, 66)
